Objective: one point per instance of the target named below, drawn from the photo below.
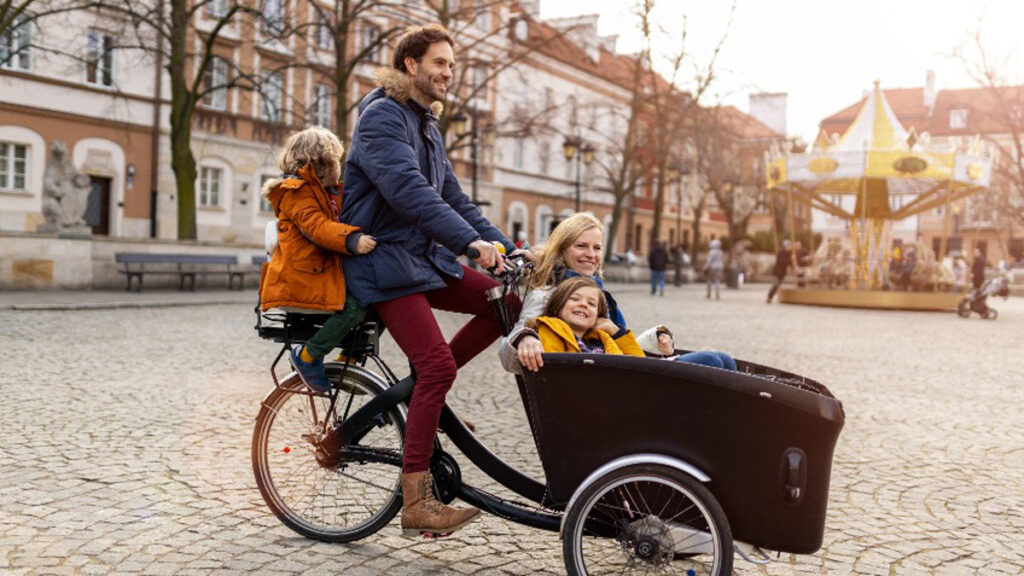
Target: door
(97, 210)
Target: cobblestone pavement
(124, 444)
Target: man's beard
(425, 84)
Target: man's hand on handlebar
(529, 353)
(486, 256)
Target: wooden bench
(185, 266)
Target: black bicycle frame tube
(356, 425)
(509, 511)
(487, 461)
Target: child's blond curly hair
(314, 146)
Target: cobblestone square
(124, 447)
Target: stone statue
(65, 193)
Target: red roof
(744, 125)
(983, 114)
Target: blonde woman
(305, 269)
(575, 248)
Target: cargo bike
(650, 466)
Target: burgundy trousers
(411, 323)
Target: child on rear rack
(304, 272)
(570, 319)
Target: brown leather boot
(423, 514)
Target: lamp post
(575, 147)
(463, 123)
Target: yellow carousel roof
(876, 147)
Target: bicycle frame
(360, 422)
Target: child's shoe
(312, 373)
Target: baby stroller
(977, 300)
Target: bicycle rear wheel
(341, 504)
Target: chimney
(770, 109)
(929, 90)
(531, 7)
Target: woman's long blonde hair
(561, 238)
(314, 146)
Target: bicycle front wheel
(350, 501)
(647, 519)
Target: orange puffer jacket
(305, 269)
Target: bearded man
(401, 189)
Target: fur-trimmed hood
(398, 86)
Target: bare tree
(184, 35)
(19, 17)
(1002, 114)
(669, 106)
(346, 35)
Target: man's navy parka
(400, 188)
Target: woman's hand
(606, 325)
(530, 257)
(529, 353)
(489, 258)
(365, 244)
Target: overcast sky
(823, 53)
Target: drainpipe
(154, 155)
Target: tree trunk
(183, 163)
(613, 228)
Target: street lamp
(463, 123)
(578, 148)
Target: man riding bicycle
(400, 187)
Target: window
(545, 157)
(324, 38)
(209, 186)
(99, 59)
(273, 16)
(958, 118)
(215, 80)
(549, 99)
(216, 8)
(480, 79)
(482, 20)
(517, 153)
(13, 166)
(16, 45)
(521, 29)
(321, 110)
(369, 38)
(273, 95)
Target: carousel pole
(792, 233)
(775, 221)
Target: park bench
(185, 266)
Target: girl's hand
(365, 244)
(528, 352)
(665, 344)
(606, 325)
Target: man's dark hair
(415, 42)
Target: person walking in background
(783, 261)
(713, 266)
(677, 262)
(978, 269)
(657, 259)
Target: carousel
(874, 175)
